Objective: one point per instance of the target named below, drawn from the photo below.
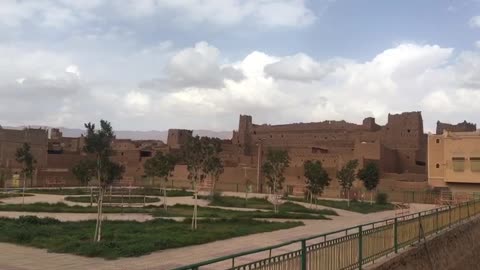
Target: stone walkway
(13, 257)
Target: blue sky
(156, 64)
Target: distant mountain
(140, 135)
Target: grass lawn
(134, 191)
(355, 206)
(262, 203)
(64, 208)
(180, 210)
(11, 195)
(125, 238)
(114, 199)
(177, 210)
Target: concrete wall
(458, 248)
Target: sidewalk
(13, 257)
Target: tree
(316, 178)
(25, 157)
(370, 176)
(194, 156)
(346, 176)
(99, 143)
(273, 168)
(212, 164)
(161, 166)
(84, 171)
(5, 174)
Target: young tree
(5, 174)
(273, 168)
(316, 178)
(84, 171)
(161, 166)
(194, 156)
(99, 143)
(24, 155)
(346, 176)
(212, 164)
(370, 176)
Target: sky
(199, 64)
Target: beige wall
(443, 148)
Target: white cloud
(138, 103)
(201, 90)
(270, 13)
(73, 69)
(199, 66)
(298, 67)
(474, 22)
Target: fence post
(449, 216)
(304, 254)
(468, 209)
(395, 235)
(419, 227)
(360, 247)
(436, 222)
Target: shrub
(381, 198)
(217, 196)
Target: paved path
(13, 257)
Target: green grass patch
(177, 210)
(262, 203)
(12, 195)
(64, 208)
(61, 191)
(230, 201)
(355, 206)
(125, 238)
(114, 199)
(181, 210)
(125, 191)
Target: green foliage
(84, 171)
(369, 175)
(99, 142)
(212, 164)
(126, 238)
(161, 165)
(201, 154)
(181, 210)
(24, 156)
(316, 177)
(274, 166)
(114, 199)
(381, 198)
(262, 203)
(346, 175)
(194, 155)
(355, 206)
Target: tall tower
(178, 137)
(244, 136)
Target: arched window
(437, 166)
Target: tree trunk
(194, 218)
(165, 196)
(100, 205)
(23, 191)
(348, 198)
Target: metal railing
(350, 248)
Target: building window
(438, 140)
(475, 164)
(458, 164)
(437, 166)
